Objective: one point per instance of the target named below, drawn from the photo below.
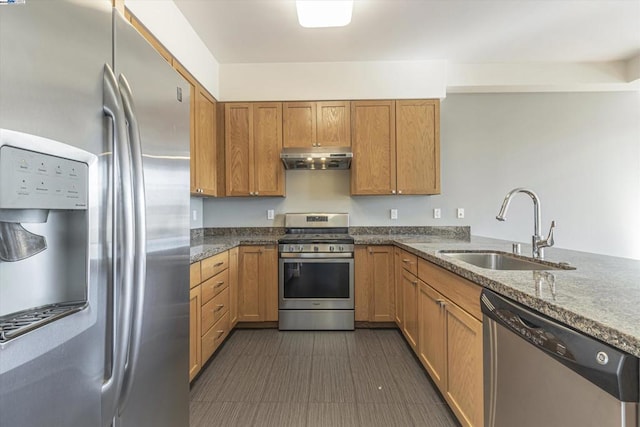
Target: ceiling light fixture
(324, 13)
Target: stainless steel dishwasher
(539, 372)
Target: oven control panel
(327, 248)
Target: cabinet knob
(255, 194)
(393, 191)
(399, 191)
(251, 193)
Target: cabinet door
(410, 308)
(373, 170)
(299, 124)
(418, 146)
(361, 283)
(269, 281)
(381, 301)
(195, 341)
(397, 267)
(333, 124)
(431, 333)
(192, 122)
(267, 134)
(233, 286)
(250, 294)
(464, 388)
(238, 138)
(204, 160)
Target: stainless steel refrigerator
(94, 231)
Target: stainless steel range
(316, 273)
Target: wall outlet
(437, 214)
(394, 213)
(460, 212)
(270, 214)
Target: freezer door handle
(140, 238)
(122, 245)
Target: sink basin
(494, 260)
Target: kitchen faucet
(537, 242)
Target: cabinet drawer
(212, 339)
(194, 274)
(409, 262)
(214, 265)
(215, 309)
(462, 292)
(214, 286)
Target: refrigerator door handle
(123, 251)
(140, 239)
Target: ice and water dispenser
(44, 232)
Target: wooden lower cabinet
(397, 286)
(431, 333)
(410, 308)
(195, 357)
(213, 298)
(233, 286)
(258, 284)
(464, 365)
(450, 339)
(374, 283)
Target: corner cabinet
(253, 142)
(317, 124)
(396, 147)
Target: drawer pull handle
(405, 260)
(218, 264)
(441, 302)
(218, 284)
(220, 307)
(220, 333)
(415, 282)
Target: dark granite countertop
(599, 298)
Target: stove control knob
(341, 248)
(316, 249)
(332, 248)
(292, 248)
(300, 248)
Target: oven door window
(316, 280)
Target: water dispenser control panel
(32, 180)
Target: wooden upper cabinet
(204, 160)
(333, 124)
(267, 134)
(418, 146)
(299, 124)
(317, 124)
(373, 169)
(253, 141)
(238, 138)
(396, 147)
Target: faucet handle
(549, 240)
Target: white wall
(579, 151)
(333, 80)
(171, 28)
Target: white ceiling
(461, 31)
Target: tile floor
(265, 377)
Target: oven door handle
(317, 255)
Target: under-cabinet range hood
(317, 158)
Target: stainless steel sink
(495, 260)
